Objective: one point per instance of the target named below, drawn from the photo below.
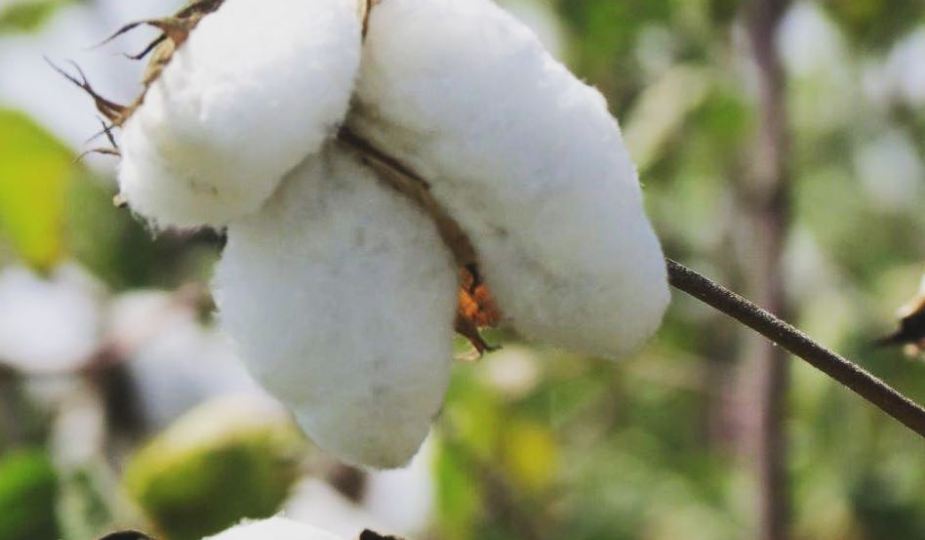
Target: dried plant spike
(365, 7)
(176, 29)
(187, 18)
(527, 159)
(124, 29)
(341, 296)
(101, 151)
(148, 49)
(111, 110)
(107, 130)
(234, 104)
(199, 8)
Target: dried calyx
(175, 31)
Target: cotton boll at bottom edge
(276, 528)
(258, 86)
(341, 297)
(530, 162)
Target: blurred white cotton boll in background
(313, 501)
(258, 86)
(891, 170)
(277, 528)
(342, 299)
(410, 514)
(527, 159)
(905, 68)
(814, 51)
(49, 325)
(176, 361)
(810, 42)
(184, 366)
(513, 371)
(378, 508)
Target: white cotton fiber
(276, 528)
(342, 298)
(259, 85)
(527, 158)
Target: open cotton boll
(258, 86)
(530, 162)
(276, 528)
(342, 298)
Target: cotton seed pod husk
(276, 528)
(227, 460)
(341, 297)
(529, 161)
(252, 90)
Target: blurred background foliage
(108, 348)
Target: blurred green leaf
(85, 507)
(661, 111)
(28, 489)
(27, 15)
(458, 493)
(876, 23)
(530, 453)
(35, 171)
(213, 468)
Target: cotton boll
(175, 360)
(315, 501)
(905, 70)
(527, 159)
(49, 325)
(341, 297)
(259, 85)
(274, 529)
(410, 515)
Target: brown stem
(799, 344)
(765, 208)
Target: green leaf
(35, 171)
(28, 488)
(213, 468)
(458, 493)
(27, 15)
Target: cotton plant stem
(765, 193)
(849, 374)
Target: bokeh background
(795, 173)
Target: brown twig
(860, 381)
(765, 217)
